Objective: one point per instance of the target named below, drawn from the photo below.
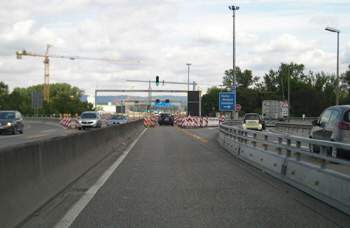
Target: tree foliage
(309, 93)
(63, 99)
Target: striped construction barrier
(196, 122)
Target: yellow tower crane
(47, 61)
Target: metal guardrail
(288, 158)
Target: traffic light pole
(184, 83)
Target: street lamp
(234, 8)
(188, 83)
(337, 80)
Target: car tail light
(243, 121)
(343, 126)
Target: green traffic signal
(157, 80)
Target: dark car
(332, 125)
(11, 122)
(165, 118)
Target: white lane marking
(48, 131)
(73, 213)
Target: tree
(243, 79)
(64, 99)
(345, 95)
(210, 101)
(4, 89)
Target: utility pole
(188, 64)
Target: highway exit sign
(227, 101)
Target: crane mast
(47, 65)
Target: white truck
(274, 110)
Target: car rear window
(88, 115)
(252, 117)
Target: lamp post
(337, 80)
(234, 8)
(188, 64)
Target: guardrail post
(288, 151)
(323, 151)
(298, 143)
(279, 149)
(265, 145)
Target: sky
(165, 35)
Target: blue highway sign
(227, 102)
(163, 104)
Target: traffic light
(148, 109)
(157, 80)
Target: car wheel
(79, 128)
(14, 130)
(21, 131)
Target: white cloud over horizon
(164, 35)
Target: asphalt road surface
(174, 177)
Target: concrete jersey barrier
(33, 173)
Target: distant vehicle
(89, 119)
(252, 121)
(332, 125)
(116, 119)
(11, 122)
(274, 110)
(165, 118)
(262, 121)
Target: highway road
(172, 177)
(34, 131)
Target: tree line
(310, 93)
(63, 99)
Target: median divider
(33, 173)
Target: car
(165, 118)
(89, 119)
(332, 125)
(262, 120)
(116, 119)
(252, 121)
(11, 122)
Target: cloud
(164, 36)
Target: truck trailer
(275, 110)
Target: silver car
(89, 119)
(11, 122)
(116, 119)
(332, 125)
